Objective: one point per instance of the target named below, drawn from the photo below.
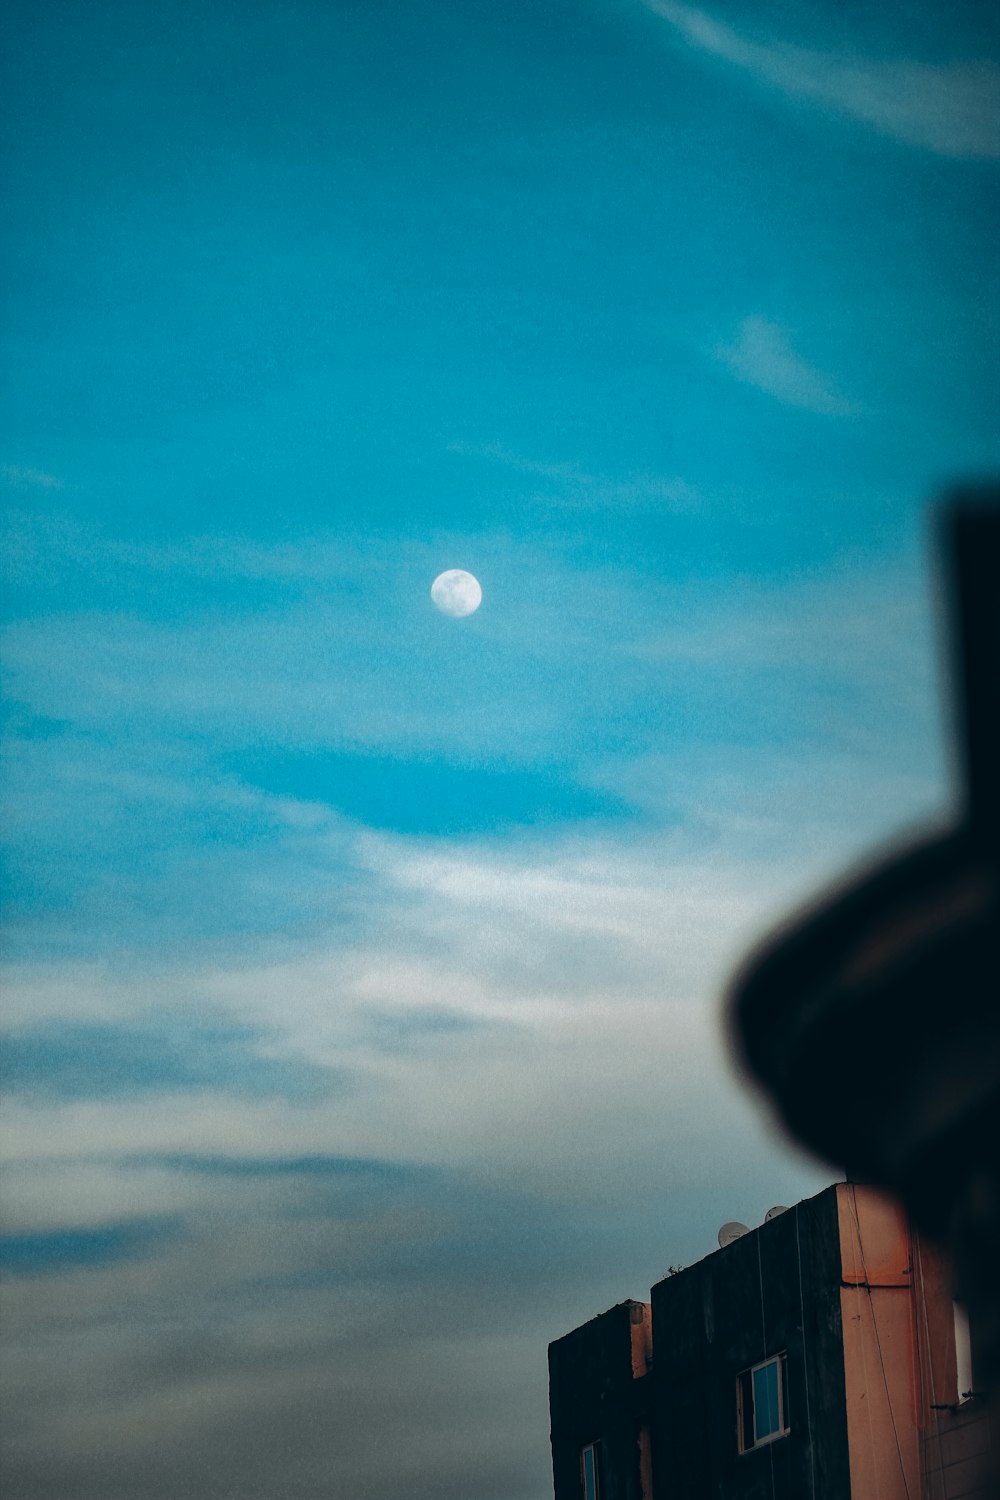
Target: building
(817, 1357)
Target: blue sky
(363, 965)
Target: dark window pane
(766, 1407)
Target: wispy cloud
(18, 476)
(762, 355)
(361, 667)
(135, 812)
(33, 541)
(952, 108)
(571, 484)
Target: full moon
(456, 593)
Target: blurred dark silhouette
(873, 1022)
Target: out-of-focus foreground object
(873, 1022)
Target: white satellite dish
(731, 1231)
(772, 1213)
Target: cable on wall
(805, 1360)
(878, 1343)
(928, 1345)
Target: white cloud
(587, 969)
(763, 356)
(951, 108)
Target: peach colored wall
(642, 1355)
(880, 1348)
(642, 1338)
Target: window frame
(594, 1449)
(747, 1419)
(964, 1375)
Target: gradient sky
(363, 966)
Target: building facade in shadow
(820, 1356)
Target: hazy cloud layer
(287, 1266)
(316, 1127)
(160, 1054)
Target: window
(762, 1403)
(590, 1466)
(963, 1351)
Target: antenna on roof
(772, 1213)
(731, 1231)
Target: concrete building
(817, 1357)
